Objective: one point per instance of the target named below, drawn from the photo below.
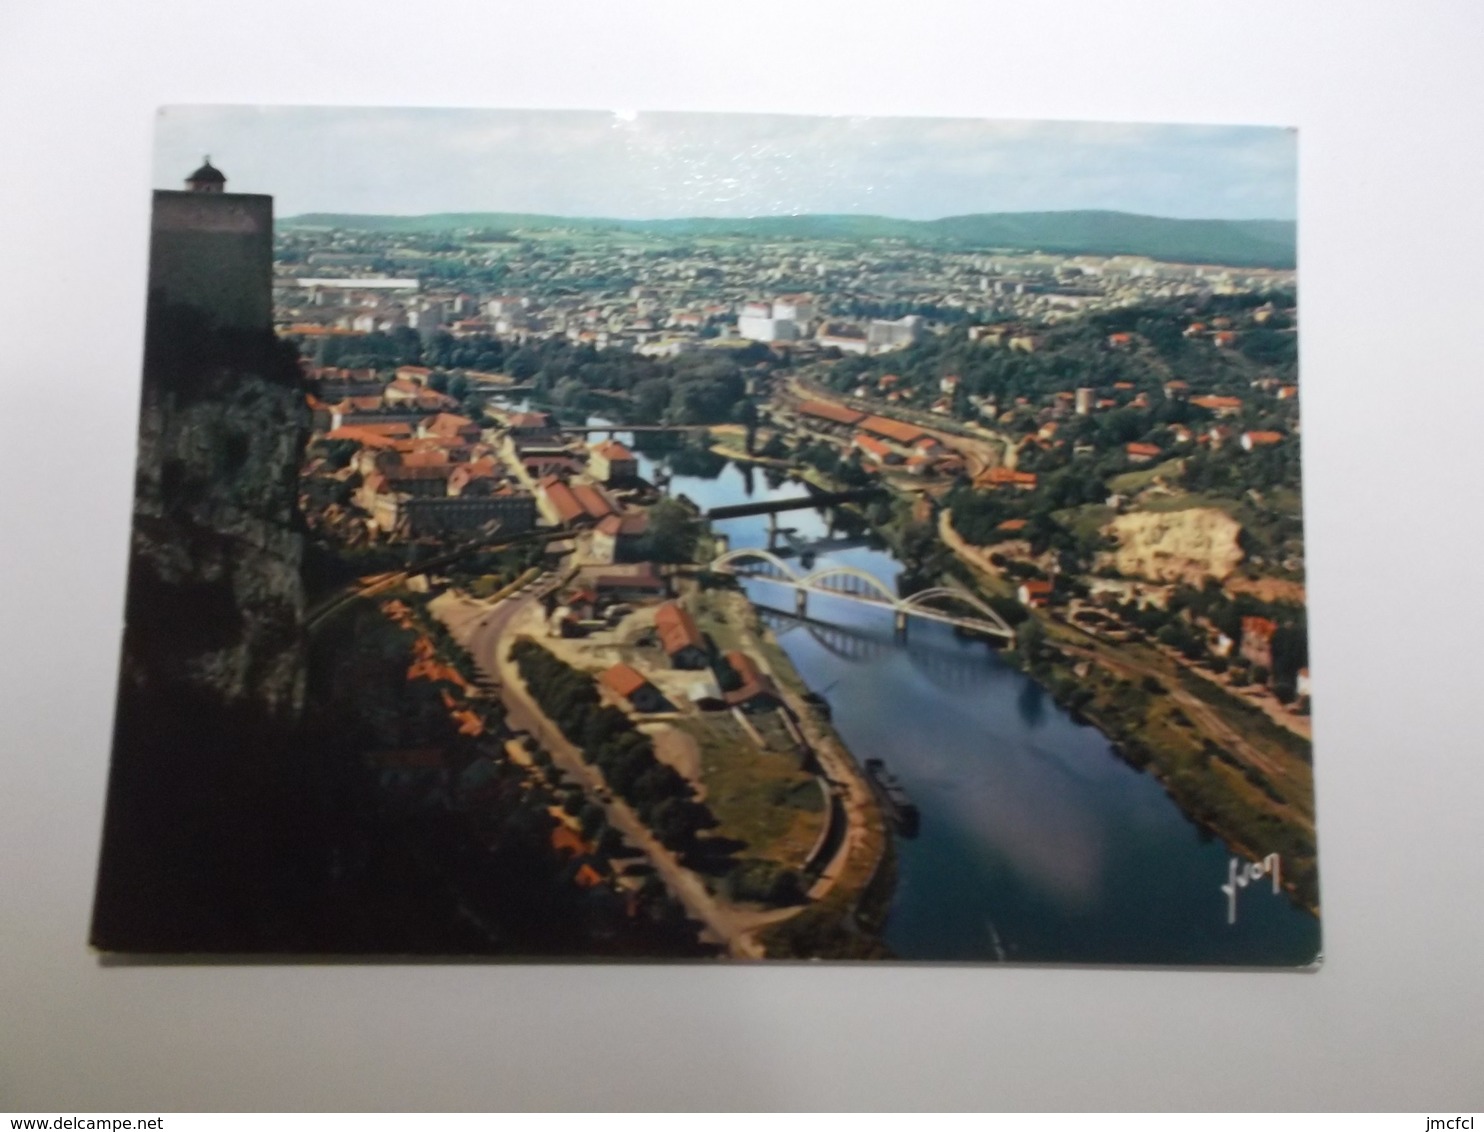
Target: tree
(649, 399)
(591, 819)
(673, 532)
(523, 364)
(775, 448)
(676, 821)
(1030, 638)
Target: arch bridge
(956, 670)
(950, 606)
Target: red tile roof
(900, 431)
(744, 666)
(357, 405)
(623, 680)
(677, 628)
(447, 424)
(1254, 439)
(562, 500)
(425, 458)
(564, 839)
(592, 500)
(826, 410)
(1258, 627)
(367, 438)
(588, 877)
(613, 450)
(996, 476)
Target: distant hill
(1243, 243)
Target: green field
(1126, 483)
(1086, 521)
(760, 798)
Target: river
(1037, 842)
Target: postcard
(684, 537)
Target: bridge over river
(813, 501)
(947, 604)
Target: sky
(659, 165)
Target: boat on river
(899, 807)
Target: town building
(1260, 439)
(679, 636)
(1257, 641)
(893, 334)
(846, 339)
(410, 516)
(798, 309)
(900, 433)
(1007, 477)
(1140, 453)
(827, 413)
(629, 583)
(756, 690)
(876, 450)
(1221, 406)
(533, 428)
(768, 329)
(558, 504)
(1034, 592)
(619, 537)
(630, 684)
(612, 462)
(449, 427)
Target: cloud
(650, 165)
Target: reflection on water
(1037, 842)
(1031, 703)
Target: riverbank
(1223, 774)
(1038, 841)
(851, 890)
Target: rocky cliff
(215, 594)
(211, 839)
(1169, 546)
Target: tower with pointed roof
(213, 250)
(207, 179)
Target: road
(489, 634)
(363, 588)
